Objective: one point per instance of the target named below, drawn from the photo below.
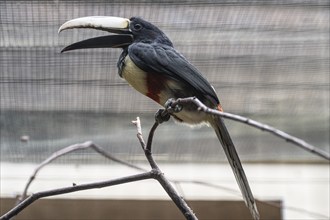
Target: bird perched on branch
(151, 65)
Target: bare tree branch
(29, 200)
(289, 138)
(155, 173)
(167, 186)
(69, 149)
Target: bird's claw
(170, 107)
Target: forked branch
(155, 173)
(167, 186)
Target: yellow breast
(135, 76)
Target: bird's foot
(171, 107)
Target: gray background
(268, 60)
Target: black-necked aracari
(151, 65)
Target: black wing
(164, 59)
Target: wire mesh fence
(268, 60)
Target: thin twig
(145, 149)
(113, 158)
(29, 200)
(289, 138)
(137, 123)
(69, 149)
(160, 177)
(151, 135)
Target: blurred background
(268, 60)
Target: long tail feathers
(235, 163)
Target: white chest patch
(135, 76)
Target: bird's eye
(137, 27)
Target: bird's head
(127, 32)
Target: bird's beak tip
(62, 28)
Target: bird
(151, 65)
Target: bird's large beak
(117, 25)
